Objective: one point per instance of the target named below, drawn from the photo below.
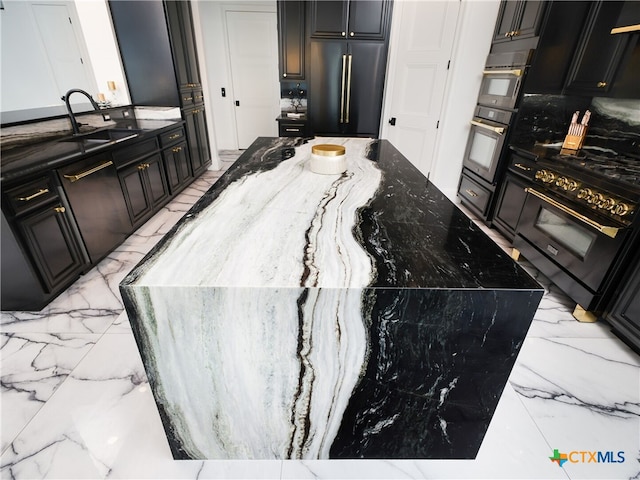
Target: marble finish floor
(76, 402)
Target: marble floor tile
(34, 365)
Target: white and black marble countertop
(38, 152)
(414, 236)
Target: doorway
(253, 57)
(421, 48)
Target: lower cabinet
(178, 164)
(473, 194)
(145, 187)
(509, 205)
(197, 138)
(624, 312)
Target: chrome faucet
(74, 123)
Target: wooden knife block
(572, 143)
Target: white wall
(473, 41)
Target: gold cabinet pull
(498, 130)
(176, 149)
(42, 191)
(143, 166)
(471, 193)
(344, 72)
(602, 84)
(608, 231)
(60, 209)
(174, 136)
(522, 167)
(187, 99)
(516, 71)
(78, 176)
(346, 120)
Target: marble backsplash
(544, 119)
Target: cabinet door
(291, 39)
(509, 205)
(328, 19)
(197, 139)
(132, 181)
(599, 53)
(365, 88)
(178, 168)
(368, 19)
(529, 19)
(158, 190)
(326, 94)
(54, 247)
(183, 44)
(506, 20)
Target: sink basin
(103, 137)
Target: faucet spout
(74, 122)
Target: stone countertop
(34, 158)
(296, 315)
(271, 222)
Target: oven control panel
(583, 194)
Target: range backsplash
(544, 119)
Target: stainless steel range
(580, 221)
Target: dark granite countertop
(27, 160)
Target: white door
(253, 52)
(420, 52)
(69, 68)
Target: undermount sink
(103, 137)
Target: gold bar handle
(608, 231)
(174, 136)
(517, 72)
(498, 130)
(60, 209)
(42, 191)
(75, 178)
(471, 193)
(349, 88)
(344, 71)
(522, 167)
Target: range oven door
(484, 148)
(579, 245)
(500, 87)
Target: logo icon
(558, 457)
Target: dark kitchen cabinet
(624, 311)
(509, 205)
(145, 187)
(176, 159)
(354, 19)
(518, 20)
(183, 43)
(42, 250)
(474, 194)
(346, 87)
(291, 39)
(197, 139)
(599, 54)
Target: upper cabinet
(518, 20)
(353, 19)
(599, 53)
(291, 39)
(183, 43)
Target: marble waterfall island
(296, 315)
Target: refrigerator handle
(344, 70)
(348, 89)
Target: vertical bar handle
(348, 88)
(344, 71)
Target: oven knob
(540, 174)
(621, 209)
(562, 182)
(585, 193)
(609, 204)
(571, 185)
(549, 178)
(598, 199)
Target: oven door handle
(517, 72)
(498, 130)
(608, 231)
